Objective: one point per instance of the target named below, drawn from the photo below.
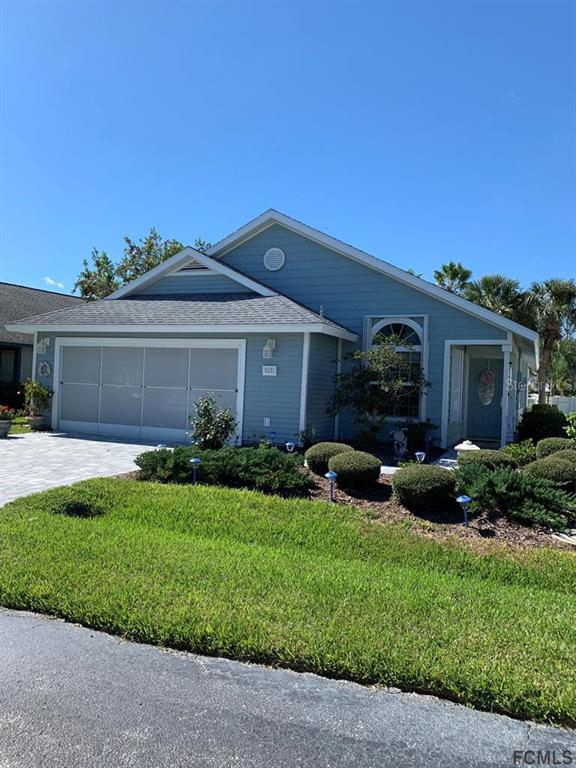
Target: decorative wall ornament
(400, 442)
(487, 386)
(43, 369)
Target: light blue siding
(321, 372)
(193, 283)
(274, 397)
(347, 292)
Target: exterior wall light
(195, 464)
(331, 476)
(464, 502)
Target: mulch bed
(378, 504)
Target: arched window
(408, 337)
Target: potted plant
(6, 416)
(37, 399)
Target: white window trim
(69, 341)
(422, 331)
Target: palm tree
(552, 304)
(453, 277)
(500, 294)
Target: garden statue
(400, 442)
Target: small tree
(377, 380)
(36, 397)
(212, 427)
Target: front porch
(484, 390)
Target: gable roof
(271, 217)
(19, 300)
(200, 313)
(183, 258)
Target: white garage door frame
(163, 343)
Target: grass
(301, 584)
(19, 426)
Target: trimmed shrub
(263, 469)
(318, 456)
(366, 441)
(542, 421)
(486, 458)
(421, 486)
(522, 453)
(521, 496)
(559, 468)
(551, 445)
(355, 469)
(416, 432)
(212, 426)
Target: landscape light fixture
(464, 502)
(331, 476)
(195, 464)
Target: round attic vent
(274, 259)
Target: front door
(485, 399)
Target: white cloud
(51, 281)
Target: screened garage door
(143, 391)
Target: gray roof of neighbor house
(18, 301)
(209, 309)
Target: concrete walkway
(74, 697)
(40, 460)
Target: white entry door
(146, 389)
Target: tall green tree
(552, 305)
(98, 279)
(453, 277)
(562, 373)
(102, 276)
(499, 294)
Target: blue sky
(418, 131)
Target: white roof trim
(271, 216)
(179, 260)
(325, 328)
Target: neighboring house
(264, 319)
(16, 347)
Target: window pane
(122, 365)
(79, 402)
(223, 399)
(166, 367)
(121, 405)
(165, 408)
(7, 364)
(213, 368)
(81, 365)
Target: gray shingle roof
(18, 301)
(187, 309)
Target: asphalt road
(71, 697)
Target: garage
(144, 389)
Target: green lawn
(302, 584)
(19, 426)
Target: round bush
(422, 486)
(560, 468)
(490, 459)
(355, 469)
(542, 421)
(318, 456)
(551, 445)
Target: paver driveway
(41, 460)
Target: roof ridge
(42, 290)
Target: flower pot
(35, 422)
(5, 427)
